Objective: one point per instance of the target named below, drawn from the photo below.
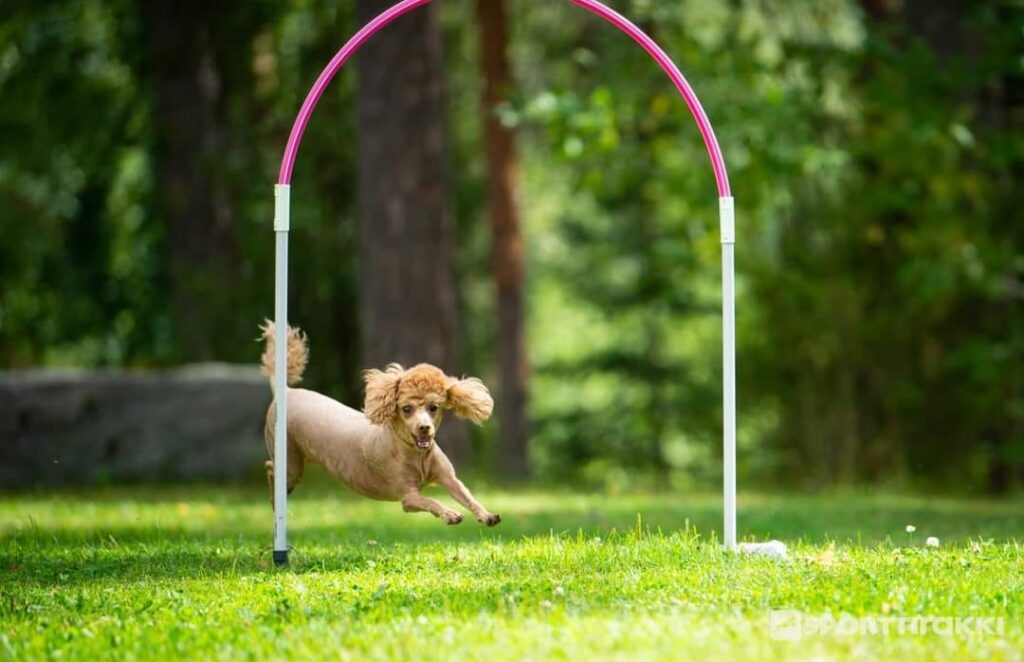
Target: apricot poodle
(388, 451)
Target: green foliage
(875, 166)
(894, 286)
(84, 256)
(154, 574)
(80, 256)
(879, 254)
(635, 252)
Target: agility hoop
(282, 206)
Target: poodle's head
(412, 401)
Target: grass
(157, 573)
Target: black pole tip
(280, 557)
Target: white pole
(282, 213)
(727, 218)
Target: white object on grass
(773, 549)
(932, 541)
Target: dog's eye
(433, 408)
(407, 409)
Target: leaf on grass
(828, 556)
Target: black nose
(424, 428)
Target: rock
(202, 422)
(772, 548)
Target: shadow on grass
(123, 534)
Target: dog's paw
(490, 519)
(452, 518)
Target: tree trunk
(506, 239)
(409, 300)
(201, 241)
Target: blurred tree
(959, 56)
(619, 392)
(286, 57)
(408, 289)
(79, 257)
(894, 290)
(876, 149)
(189, 47)
(506, 240)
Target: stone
(196, 423)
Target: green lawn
(158, 572)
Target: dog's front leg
(461, 493)
(414, 502)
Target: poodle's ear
(470, 399)
(382, 393)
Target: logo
(792, 625)
(786, 624)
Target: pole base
(773, 548)
(280, 558)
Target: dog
(388, 451)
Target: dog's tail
(298, 353)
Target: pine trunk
(506, 243)
(201, 240)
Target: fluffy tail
(298, 353)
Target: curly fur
(381, 401)
(298, 353)
(470, 399)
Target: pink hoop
(618, 20)
(728, 236)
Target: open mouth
(422, 443)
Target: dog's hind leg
(269, 466)
(296, 467)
